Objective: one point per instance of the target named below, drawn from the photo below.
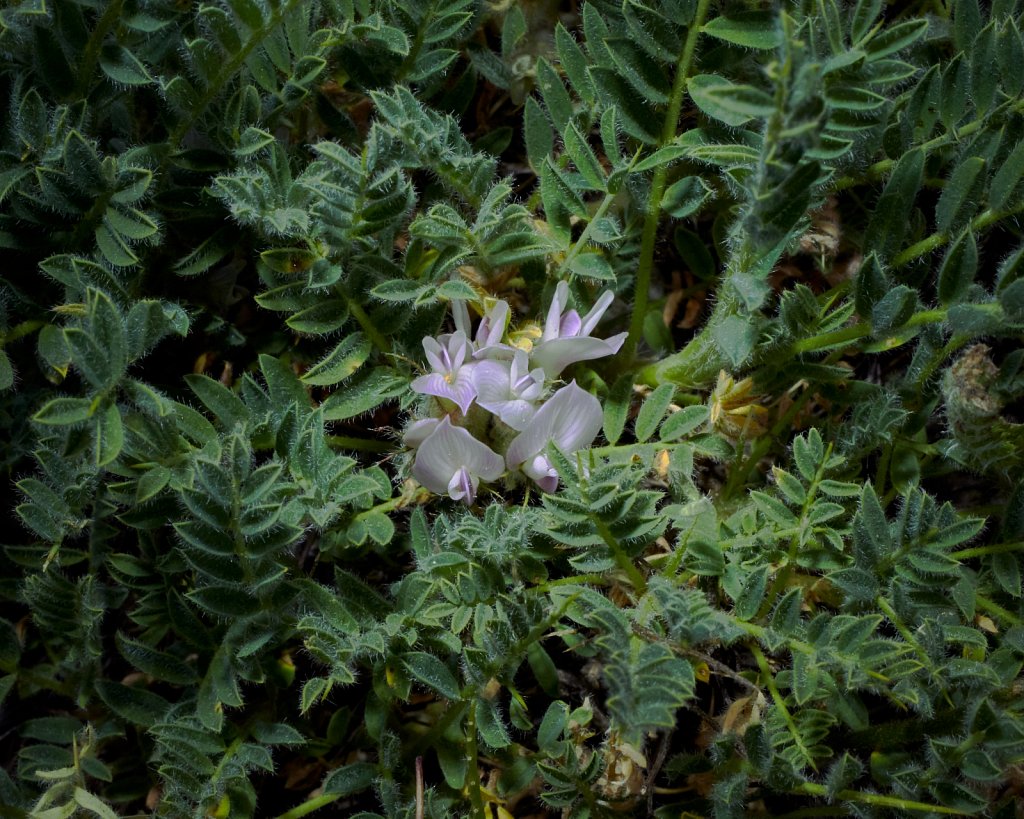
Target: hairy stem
(476, 797)
(995, 549)
(859, 330)
(378, 340)
(635, 576)
(780, 702)
(91, 53)
(904, 632)
(881, 168)
(602, 209)
(359, 444)
(310, 805)
(20, 330)
(668, 133)
(994, 608)
(229, 70)
(782, 579)
(813, 789)
(937, 240)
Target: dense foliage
(784, 580)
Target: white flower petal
(557, 354)
(578, 420)
(461, 390)
(432, 384)
(570, 324)
(464, 388)
(458, 349)
(460, 312)
(516, 412)
(554, 319)
(594, 316)
(434, 355)
(532, 440)
(449, 449)
(497, 352)
(542, 472)
(571, 419)
(419, 431)
(436, 459)
(616, 341)
(463, 486)
(492, 381)
(492, 326)
(485, 462)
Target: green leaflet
(726, 101)
(347, 357)
(749, 29)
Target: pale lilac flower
(509, 389)
(452, 375)
(570, 420)
(489, 332)
(566, 338)
(450, 460)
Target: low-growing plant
(490, 409)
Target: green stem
(588, 579)
(954, 344)
(621, 558)
(780, 702)
(310, 805)
(229, 70)
(86, 224)
(879, 169)
(859, 330)
(994, 608)
(676, 557)
(417, 44)
(432, 736)
(381, 508)
(699, 360)
(21, 330)
(794, 645)
(760, 632)
(883, 469)
(995, 549)
(360, 315)
(359, 444)
(826, 340)
(581, 243)
(783, 577)
(476, 797)
(650, 230)
(640, 450)
(245, 561)
(937, 240)
(91, 52)
(229, 754)
(813, 789)
(905, 633)
(41, 680)
(648, 376)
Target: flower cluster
(492, 396)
